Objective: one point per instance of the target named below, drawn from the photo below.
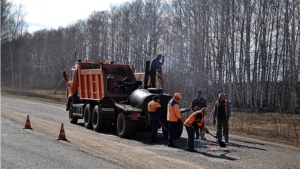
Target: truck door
(70, 85)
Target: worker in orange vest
(154, 109)
(221, 116)
(195, 121)
(173, 116)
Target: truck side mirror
(65, 76)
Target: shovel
(221, 143)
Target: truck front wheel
(72, 119)
(98, 122)
(88, 116)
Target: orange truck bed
(92, 81)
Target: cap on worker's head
(178, 95)
(199, 91)
(155, 97)
(196, 108)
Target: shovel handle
(212, 135)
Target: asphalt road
(39, 148)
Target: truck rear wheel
(88, 116)
(72, 119)
(178, 131)
(98, 122)
(122, 125)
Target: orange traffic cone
(62, 135)
(27, 124)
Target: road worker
(200, 102)
(155, 66)
(195, 121)
(173, 116)
(154, 109)
(222, 113)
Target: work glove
(207, 132)
(214, 122)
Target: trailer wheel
(122, 125)
(88, 116)
(98, 122)
(72, 119)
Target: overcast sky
(48, 14)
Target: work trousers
(152, 74)
(154, 120)
(190, 141)
(154, 125)
(222, 124)
(198, 132)
(172, 131)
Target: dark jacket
(201, 103)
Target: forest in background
(248, 49)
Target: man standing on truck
(154, 109)
(155, 66)
(173, 117)
(201, 103)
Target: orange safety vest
(173, 111)
(217, 107)
(192, 119)
(153, 106)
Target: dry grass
(42, 95)
(269, 126)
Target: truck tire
(72, 119)
(122, 125)
(178, 131)
(88, 116)
(98, 122)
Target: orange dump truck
(107, 95)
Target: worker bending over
(195, 121)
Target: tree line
(248, 49)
